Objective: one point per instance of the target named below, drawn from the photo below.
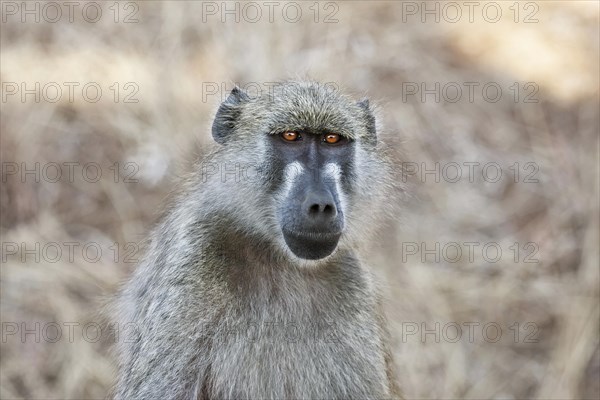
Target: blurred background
(491, 269)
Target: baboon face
(308, 138)
(310, 209)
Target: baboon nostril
(320, 208)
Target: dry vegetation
(170, 53)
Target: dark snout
(319, 210)
(313, 222)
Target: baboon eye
(331, 138)
(290, 136)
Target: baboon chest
(297, 343)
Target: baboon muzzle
(312, 222)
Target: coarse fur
(221, 308)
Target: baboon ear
(369, 121)
(228, 115)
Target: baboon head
(314, 150)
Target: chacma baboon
(253, 286)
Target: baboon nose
(320, 205)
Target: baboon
(253, 285)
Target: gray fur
(217, 274)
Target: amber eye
(290, 136)
(332, 138)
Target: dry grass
(170, 53)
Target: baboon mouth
(314, 235)
(311, 245)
